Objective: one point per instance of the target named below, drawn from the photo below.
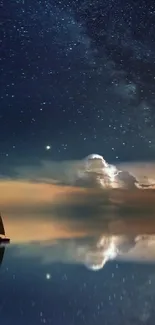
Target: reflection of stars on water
(48, 147)
(48, 276)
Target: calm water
(37, 291)
(47, 281)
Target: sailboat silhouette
(3, 238)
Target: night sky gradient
(79, 77)
(76, 77)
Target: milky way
(77, 73)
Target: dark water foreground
(36, 290)
(44, 275)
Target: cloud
(48, 171)
(66, 172)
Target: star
(48, 276)
(48, 147)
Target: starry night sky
(76, 77)
(79, 77)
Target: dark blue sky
(79, 78)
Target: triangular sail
(2, 231)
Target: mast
(2, 230)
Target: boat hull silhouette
(4, 240)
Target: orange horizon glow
(23, 206)
(25, 226)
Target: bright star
(48, 276)
(48, 147)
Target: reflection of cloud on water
(94, 253)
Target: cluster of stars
(71, 78)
